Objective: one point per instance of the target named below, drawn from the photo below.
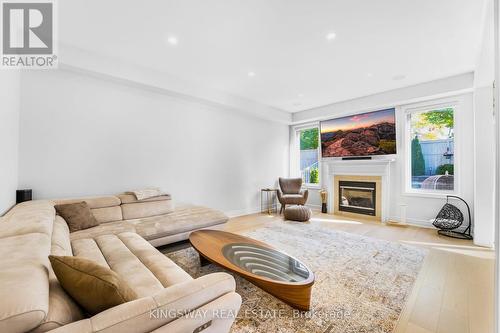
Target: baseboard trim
(484, 244)
(422, 223)
(255, 210)
(7, 210)
(409, 221)
(414, 222)
(242, 212)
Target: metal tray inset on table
(269, 268)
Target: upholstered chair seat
(293, 199)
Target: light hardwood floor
(454, 289)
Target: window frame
(295, 169)
(455, 103)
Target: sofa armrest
(151, 313)
(218, 317)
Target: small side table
(268, 198)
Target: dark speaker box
(23, 195)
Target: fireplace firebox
(357, 197)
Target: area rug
(361, 283)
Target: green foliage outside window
(314, 176)
(433, 125)
(443, 117)
(417, 158)
(441, 170)
(309, 139)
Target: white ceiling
(283, 42)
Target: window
(431, 150)
(309, 165)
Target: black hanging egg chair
(450, 218)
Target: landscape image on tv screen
(365, 134)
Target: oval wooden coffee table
(268, 268)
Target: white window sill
(311, 186)
(427, 194)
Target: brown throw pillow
(95, 287)
(78, 215)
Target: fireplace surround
(375, 170)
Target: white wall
(484, 138)
(9, 134)
(420, 209)
(82, 135)
(81, 60)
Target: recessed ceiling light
(331, 36)
(300, 95)
(369, 74)
(172, 40)
(399, 77)
(251, 74)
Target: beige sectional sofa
(157, 219)
(33, 301)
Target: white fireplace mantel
(374, 167)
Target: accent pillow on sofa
(95, 287)
(77, 215)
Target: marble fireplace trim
(376, 167)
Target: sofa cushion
(89, 249)
(122, 261)
(146, 193)
(28, 217)
(93, 202)
(130, 198)
(110, 228)
(94, 287)
(27, 298)
(105, 209)
(77, 215)
(146, 270)
(164, 269)
(184, 218)
(24, 283)
(107, 214)
(60, 244)
(161, 241)
(62, 308)
(146, 209)
(25, 243)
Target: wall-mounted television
(364, 134)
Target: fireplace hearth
(357, 197)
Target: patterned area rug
(361, 283)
